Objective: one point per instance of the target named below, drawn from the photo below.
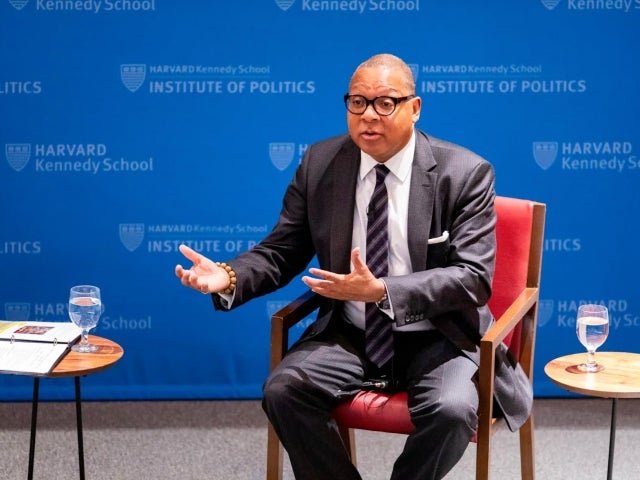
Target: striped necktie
(378, 331)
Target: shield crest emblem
(133, 75)
(415, 70)
(285, 4)
(550, 4)
(545, 312)
(18, 4)
(15, 311)
(18, 155)
(281, 154)
(545, 153)
(131, 235)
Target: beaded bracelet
(232, 277)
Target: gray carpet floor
(225, 440)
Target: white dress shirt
(398, 183)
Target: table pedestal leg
(79, 428)
(612, 438)
(34, 421)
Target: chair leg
(483, 453)
(527, 457)
(349, 440)
(275, 454)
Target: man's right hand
(204, 275)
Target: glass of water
(85, 307)
(592, 329)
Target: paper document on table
(34, 348)
(51, 332)
(30, 358)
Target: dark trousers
(317, 374)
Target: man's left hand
(359, 285)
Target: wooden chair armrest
(287, 317)
(510, 318)
(297, 310)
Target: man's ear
(416, 105)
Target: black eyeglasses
(385, 106)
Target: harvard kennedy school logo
(545, 153)
(281, 154)
(550, 4)
(133, 75)
(17, 311)
(18, 4)
(18, 155)
(285, 4)
(545, 311)
(131, 235)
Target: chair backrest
(519, 232)
(517, 258)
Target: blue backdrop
(131, 126)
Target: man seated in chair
(403, 227)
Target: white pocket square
(440, 239)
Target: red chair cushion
(377, 411)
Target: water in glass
(85, 307)
(592, 329)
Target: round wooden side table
(620, 378)
(76, 365)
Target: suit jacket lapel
(344, 171)
(423, 205)
(421, 201)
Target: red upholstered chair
(514, 304)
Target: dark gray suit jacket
(452, 189)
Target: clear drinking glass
(85, 307)
(592, 329)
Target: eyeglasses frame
(396, 101)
